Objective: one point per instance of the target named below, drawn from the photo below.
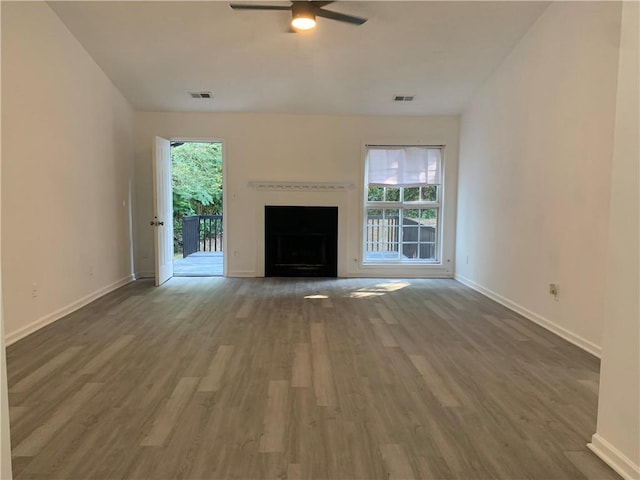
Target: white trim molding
(66, 310)
(553, 327)
(144, 275)
(301, 186)
(405, 274)
(614, 458)
(242, 274)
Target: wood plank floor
(220, 378)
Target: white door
(162, 222)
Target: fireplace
(301, 241)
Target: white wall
(535, 165)
(5, 440)
(67, 164)
(617, 439)
(305, 148)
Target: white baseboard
(614, 458)
(140, 275)
(64, 311)
(577, 340)
(407, 275)
(244, 274)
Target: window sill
(401, 264)
(402, 270)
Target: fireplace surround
(301, 241)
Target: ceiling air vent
(201, 94)
(403, 98)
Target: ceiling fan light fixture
(303, 16)
(303, 21)
(303, 13)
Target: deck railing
(201, 233)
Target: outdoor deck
(199, 264)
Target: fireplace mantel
(301, 186)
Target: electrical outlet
(236, 253)
(553, 290)
(91, 270)
(34, 290)
(467, 259)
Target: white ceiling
(155, 52)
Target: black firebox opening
(301, 241)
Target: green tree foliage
(196, 181)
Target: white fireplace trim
(301, 186)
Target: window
(403, 187)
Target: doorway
(198, 208)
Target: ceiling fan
(304, 13)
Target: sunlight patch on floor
(379, 289)
(365, 294)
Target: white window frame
(400, 206)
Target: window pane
(430, 193)
(428, 251)
(410, 251)
(374, 225)
(412, 194)
(392, 194)
(392, 228)
(375, 194)
(392, 233)
(429, 216)
(427, 234)
(382, 231)
(392, 213)
(410, 233)
(411, 214)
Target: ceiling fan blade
(341, 17)
(248, 6)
